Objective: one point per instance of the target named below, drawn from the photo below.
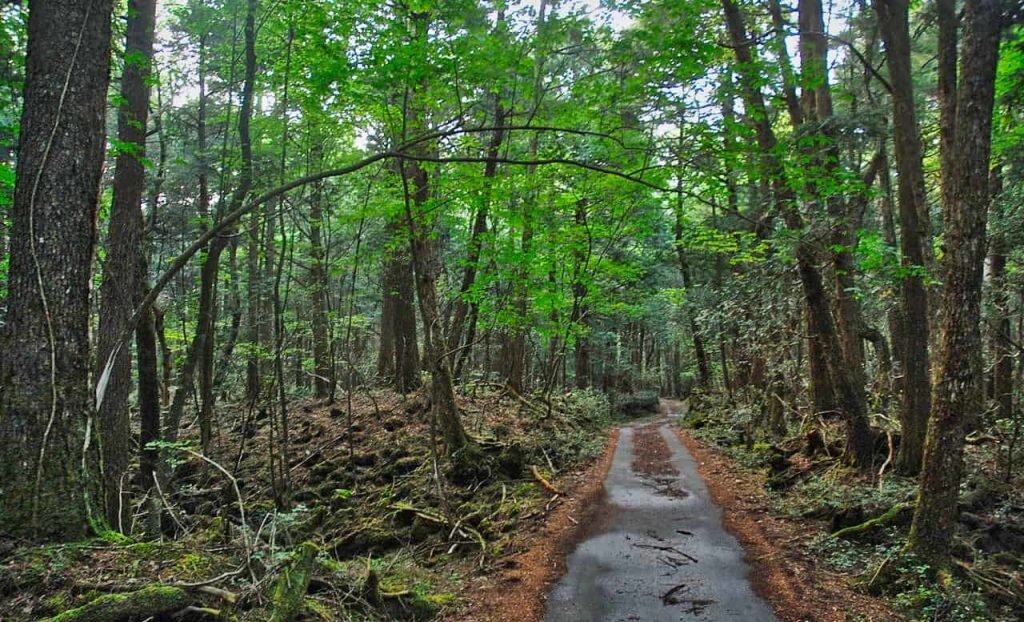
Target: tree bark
(323, 370)
(50, 485)
(958, 386)
(399, 359)
(893, 22)
(149, 405)
(118, 291)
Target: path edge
(522, 580)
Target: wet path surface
(661, 554)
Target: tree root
(457, 527)
(1002, 585)
(871, 523)
(544, 483)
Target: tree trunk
(149, 405)
(427, 262)
(118, 291)
(458, 350)
(958, 386)
(323, 371)
(428, 269)
(894, 317)
(50, 485)
(699, 351)
(916, 401)
(1002, 353)
(399, 359)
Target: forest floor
(394, 534)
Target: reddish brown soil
(651, 456)
(517, 586)
(652, 461)
(782, 570)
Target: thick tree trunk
(118, 291)
(958, 387)
(50, 485)
(893, 23)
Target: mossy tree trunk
(958, 387)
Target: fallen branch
(141, 604)
(544, 483)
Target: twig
(241, 507)
(170, 509)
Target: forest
(386, 310)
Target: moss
(57, 602)
(146, 550)
(439, 600)
(885, 518)
(192, 565)
(320, 610)
(149, 601)
(288, 594)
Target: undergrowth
(396, 534)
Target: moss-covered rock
(149, 601)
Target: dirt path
(661, 553)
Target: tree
(121, 284)
(893, 22)
(849, 389)
(47, 418)
(959, 375)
